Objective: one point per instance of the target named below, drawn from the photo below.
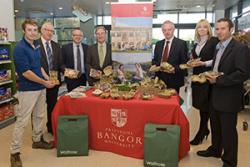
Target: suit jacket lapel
(214, 57)
(53, 47)
(97, 55)
(161, 46)
(203, 49)
(44, 55)
(173, 45)
(106, 56)
(71, 53)
(193, 51)
(226, 51)
(84, 55)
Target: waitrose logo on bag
(155, 164)
(68, 152)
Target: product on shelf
(4, 53)
(6, 112)
(5, 75)
(5, 93)
(3, 34)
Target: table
(118, 126)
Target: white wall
(7, 17)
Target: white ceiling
(44, 8)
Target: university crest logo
(119, 117)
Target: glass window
(233, 12)
(163, 17)
(99, 20)
(246, 6)
(210, 17)
(107, 20)
(191, 17)
(187, 34)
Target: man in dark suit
(74, 57)
(232, 59)
(99, 54)
(50, 61)
(174, 51)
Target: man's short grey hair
(46, 23)
(168, 22)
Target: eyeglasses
(52, 31)
(77, 35)
(100, 33)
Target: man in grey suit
(232, 59)
(99, 54)
(50, 61)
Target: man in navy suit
(174, 51)
(232, 59)
(74, 57)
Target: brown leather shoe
(42, 145)
(15, 160)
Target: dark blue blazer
(68, 56)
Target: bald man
(50, 61)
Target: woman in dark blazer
(203, 49)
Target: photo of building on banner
(131, 37)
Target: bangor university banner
(131, 34)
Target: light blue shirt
(75, 57)
(221, 46)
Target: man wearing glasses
(50, 61)
(74, 58)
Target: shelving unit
(6, 101)
(7, 121)
(5, 82)
(5, 61)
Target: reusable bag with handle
(72, 136)
(161, 145)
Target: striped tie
(49, 56)
(79, 66)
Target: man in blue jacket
(31, 92)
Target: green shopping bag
(72, 136)
(161, 145)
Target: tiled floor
(41, 158)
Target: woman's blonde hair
(209, 29)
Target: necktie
(165, 53)
(101, 55)
(49, 56)
(79, 67)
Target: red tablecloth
(118, 126)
